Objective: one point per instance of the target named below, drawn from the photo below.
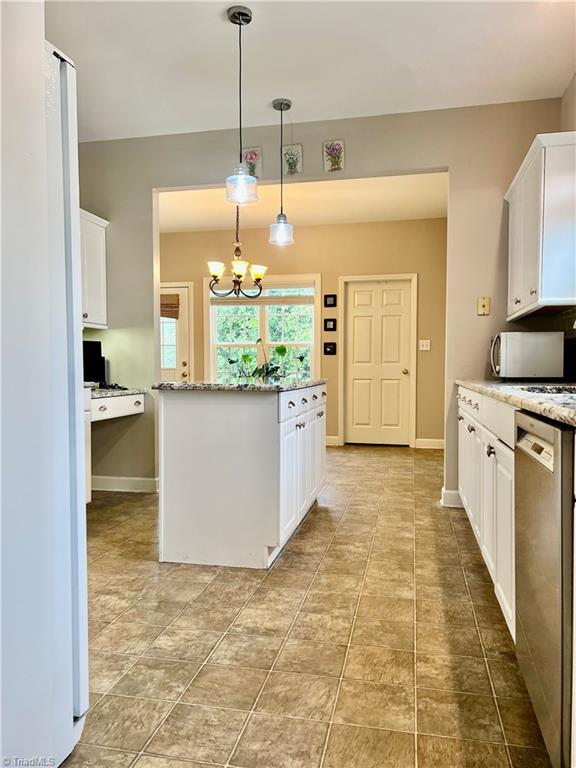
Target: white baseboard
(333, 441)
(450, 499)
(424, 442)
(128, 484)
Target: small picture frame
(329, 347)
(252, 159)
(292, 159)
(330, 300)
(333, 154)
(329, 323)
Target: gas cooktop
(552, 389)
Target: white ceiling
(150, 68)
(422, 196)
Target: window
(282, 315)
(168, 342)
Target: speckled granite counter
(560, 407)
(210, 386)
(98, 393)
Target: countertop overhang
(211, 386)
(561, 407)
(100, 393)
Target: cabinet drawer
(470, 402)
(114, 407)
(498, 418)
(290, 405)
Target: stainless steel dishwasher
(544, 487)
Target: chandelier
(239, 269)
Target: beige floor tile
(386, 608)
(184, 644)
(284, 578)
(247, 651)
(123, 723)
(321, 628)
(197, 573)
(176, 590)
(442, 639)
(198, 733)
(389, 634)
(332, 603)
(228, 687)
(507, 678)
(152, 761)
(297, 695)
(448, 611)
(460, 715)
(380, 665)
(156, 679)
(497, 643)
(452, 673)
(376, 704)
(523, 757)
(353, 747)
(200, 617)
(279, 742)
(311, 658)
(266, 621)
(519, 723)
(106, 669)
(124, 637)
(85, 756)
(107, 607)
(436, 752)
(156, 612)
(344, 583)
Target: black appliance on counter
(94, 363)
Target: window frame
(278, 281)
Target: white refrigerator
(70, 653)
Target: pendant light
(241, 187)
(239, 269)
(281, 233)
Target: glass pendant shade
(217, 268)
(258, 271)
(281, 233)
(239, 268)
(241, 188)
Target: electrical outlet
(483, 305)
(424, 345)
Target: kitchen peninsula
(240, 466)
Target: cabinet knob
(323, 394)
(460, 418)
(291, 404)
(470, 428)
(320, 414)
(85, 315)
(490, 451)
(304, 401)
(137, 403)
(476, 406)
(533, 291)
(314, 397)
(103, 408)
(517, 300)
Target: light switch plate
(424, 345)
(483, 305)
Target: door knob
(405, 371)
(184, 363)
(184, 374)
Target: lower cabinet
(302, 461)
(486, 487)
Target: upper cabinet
(542, 227)
(93, 249)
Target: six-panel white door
(377, 374)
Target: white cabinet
(542, 227)
(486, 487)
(289, 466)
(93, 251)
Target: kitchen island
(240, 465)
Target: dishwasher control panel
(538, 449)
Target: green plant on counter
(271, 370)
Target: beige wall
(333, 251)
(568, 107)
(481, 146)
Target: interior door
(377, 362)
(175, 323)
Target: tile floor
(375, 641)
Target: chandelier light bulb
(258, 271)
(217, 269)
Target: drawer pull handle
(137, 403)
(314, 397)
(323, 394)
(320, 414)
(471, 429)
(533, 291)
(517, 300)
(490, 451)
(103, 408)
(476, 406)
(304, 401)
(460, 418)
(291, 404)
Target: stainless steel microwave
(527, 355)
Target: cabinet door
(289, 483)
(93, 253)
(314, 477)
(304, 465)
(504, 517)
(488, 543)
(474, 458)
(462, 460)
(515, 260)
(321, 449)
(532, 184)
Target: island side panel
(219, 477)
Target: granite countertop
(559, 407)
(98, 393)
(211, 386)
